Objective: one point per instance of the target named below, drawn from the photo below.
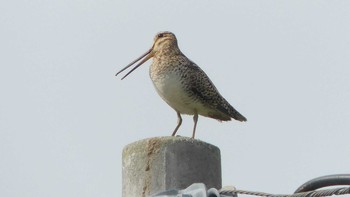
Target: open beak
(147, 56)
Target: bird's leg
(195, 119)
(179, 122)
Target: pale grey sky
(65, 117)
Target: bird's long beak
(148, 55)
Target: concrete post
(161, 163)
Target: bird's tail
(229, 112)
(232, 112)
(237, 116)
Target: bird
(182, 84)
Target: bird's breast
(171, 86)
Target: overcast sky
(65, 117)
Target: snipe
(182, 84)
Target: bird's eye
(160, 35)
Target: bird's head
(164, 42)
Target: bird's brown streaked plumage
(182, 84)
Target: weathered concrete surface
(162, 163)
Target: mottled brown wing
(205, 91)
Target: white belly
(171, 90)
